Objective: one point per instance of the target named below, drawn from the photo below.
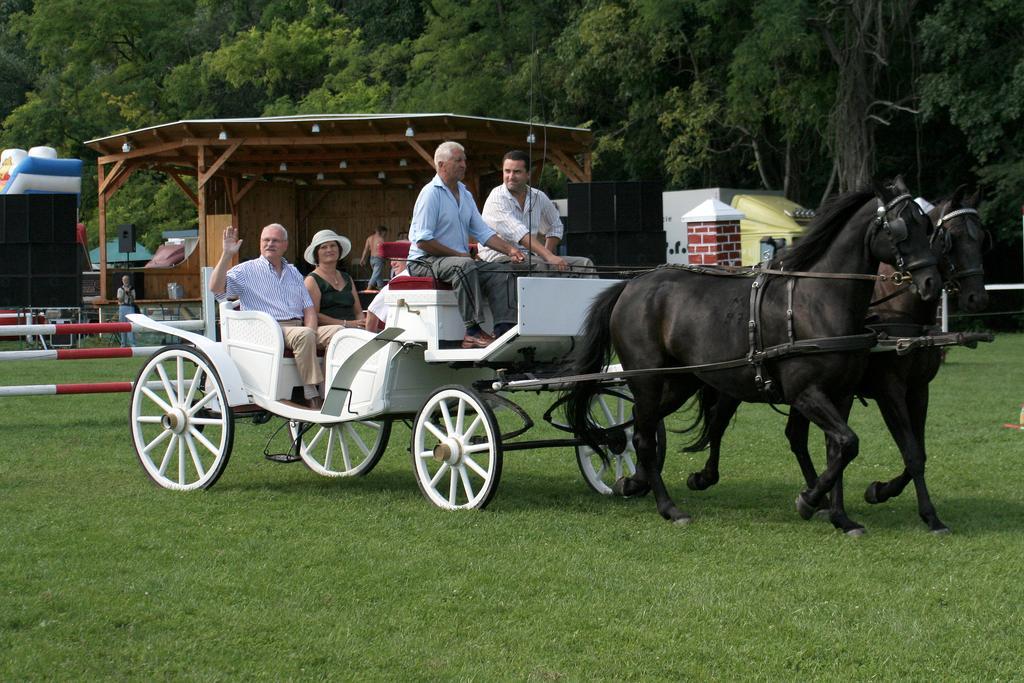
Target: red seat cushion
(399, 250)
(410, 283)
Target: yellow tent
(766, 215)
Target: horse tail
(706, 398)
(592, 354)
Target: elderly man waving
(444, 218)
(272, 285)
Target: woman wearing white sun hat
(332, 289)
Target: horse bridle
(942, 242)
(897, 232)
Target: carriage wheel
(608, 410)
(182, 427)
(346, 449)
(456, 449)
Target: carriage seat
(400, 251)
(255, 343)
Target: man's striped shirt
(258, 286)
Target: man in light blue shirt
(444, 218)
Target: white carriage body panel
(255, 343)
(552, 306)
(367, 396)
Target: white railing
(988, 288)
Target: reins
(854, 342)
(754, 271)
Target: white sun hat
(323, 236)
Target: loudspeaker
(638, 206)
(631, 206)
(126, 238)
(15, 211)
(632, 249)
(13, 291)
(55, 291)
(40, 265)
(598, 247)
(652, 209)
(640, 249)
(579, 208)
(592, 206)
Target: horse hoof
(693, 482)
(822, 513)
(627, 487)
(871, 493)
(856, 532)
(803, 508)
(942, 531)
(682, 521)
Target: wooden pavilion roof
(347, 149)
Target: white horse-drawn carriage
(188, 396)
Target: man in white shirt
(526, 217)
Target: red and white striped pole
(92, 328)
(79, 354)
(53, 389)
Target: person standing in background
(372, 249)
(126, 305)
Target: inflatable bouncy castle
(39, 171)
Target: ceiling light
(531, 138)
(283, 166)
(223, 135)
(403, 162)
(381, 175)
(343, 164)
(409, 132)
(320, 176)
(316, 128)
(126, 147)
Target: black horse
(673, 317)
(898, 383)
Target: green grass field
(276, 573)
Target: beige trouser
(304, 342)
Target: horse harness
(942, 242)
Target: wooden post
(102, 206)
(201, 206)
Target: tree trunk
(858, 34)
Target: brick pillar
(713, 234)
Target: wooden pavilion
(349, 173)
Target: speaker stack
(616, 223)
(39, 255)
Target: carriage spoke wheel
(346, 449)
(456, 449)
(610, 410)
(181, 423)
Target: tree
(974, 75)
(859, 36)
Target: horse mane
(831, 218)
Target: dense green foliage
(277, 574)
(806, 96)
